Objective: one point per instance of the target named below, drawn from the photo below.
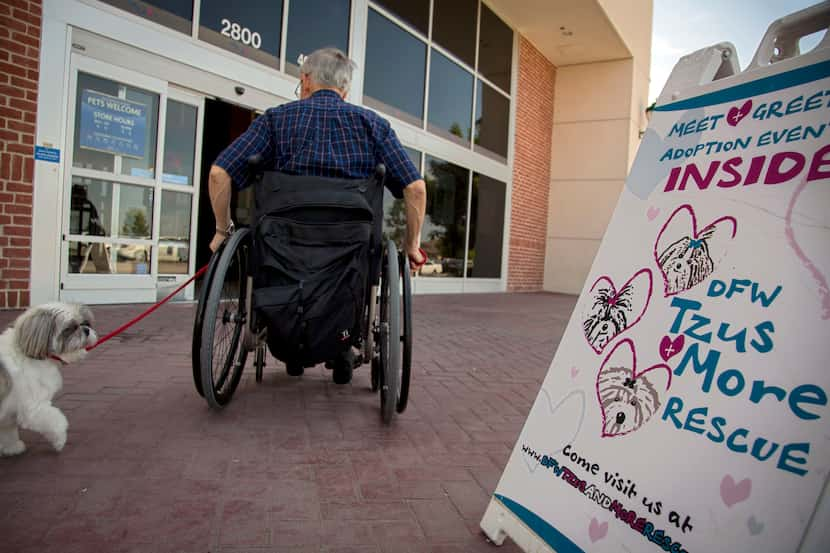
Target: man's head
(326, 69)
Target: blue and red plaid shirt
(321, 136)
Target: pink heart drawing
(597, 531)
(669, 348)
(627, 397)
(574, 372)
(733, 493)
(735, 114)
(652, 213)
(609, 312)
(686, 256)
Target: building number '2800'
(243, 34)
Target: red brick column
(20, 25)
(531, 169)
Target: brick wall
(531, 169)
(20, 23)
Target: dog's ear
(33, 331)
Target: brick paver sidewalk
(293, 464)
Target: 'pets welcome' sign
(686, 409)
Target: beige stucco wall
(599, 111)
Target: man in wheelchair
(321, 135)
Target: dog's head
(686, 263)
(60, 329)
(627, 403)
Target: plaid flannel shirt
(321, 136)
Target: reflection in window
(486, 227)
(176, 14)
(90, 207)
(179, 143)
(250, 28)
(395, 70)
(450, 99)
(492, 122)
(174, 232)
(413, 12)
(454, 27)
(108, 258)
(314, 24)
(394, 210)
(135, 211)
(443, 234)
(495, 49)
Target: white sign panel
(686, 409)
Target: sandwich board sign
(686, 408)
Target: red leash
(125, 326)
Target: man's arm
(415, 202)
(220, 201)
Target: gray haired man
(322, 135)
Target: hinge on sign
(77, 46)
(63, 237)
(61, 285)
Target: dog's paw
(16, 448)
(57, 437)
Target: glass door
(129, 185)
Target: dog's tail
(5, 382)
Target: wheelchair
(308, 279)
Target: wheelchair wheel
(406, 336)
(390, 333)
(196, 342)
(223, 353)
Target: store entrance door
(224, 122)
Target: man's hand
(417, 257)
(218, 238)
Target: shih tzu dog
(687, 262)
(31, 352)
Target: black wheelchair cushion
(314, 243)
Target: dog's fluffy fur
(31, 352)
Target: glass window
(495, 49)
(492, 119)
(413, 12)
(91, 207)
(174, 232)
(84, 156)
(142, 162)
(115, 119)
(109, 258)
(486, 227)
(395, 70)
(176, 14)
(450, 99)
(135, 211)
(454, 27)
(314, 24)
(445, 225)
(250, 28)
(179, 143)
(394, 211)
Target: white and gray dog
(31, 352)
(687, 262)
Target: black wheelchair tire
(219, 391)
(406, 336)
(390, 332)
(196, 341)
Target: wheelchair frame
(225, 311)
